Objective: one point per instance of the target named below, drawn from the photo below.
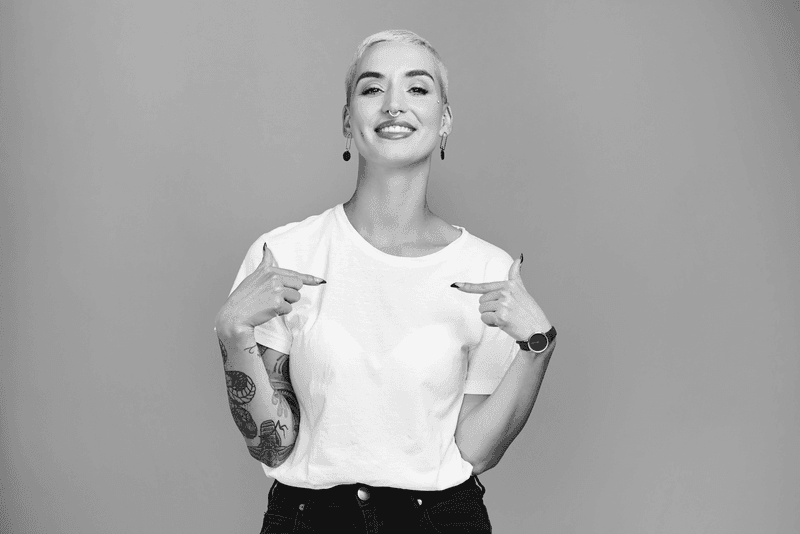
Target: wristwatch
(538, 342)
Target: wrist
(228, 329)
(539, 341)
(533, 325)
(542, 324)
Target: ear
(447, 120)
(345, 120)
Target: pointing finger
(484, 287)
(305, 279)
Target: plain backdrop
(645, 157)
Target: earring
(346, 155)
(443, 144)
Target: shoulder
(492, 256)
(308, 226)
(294, 235)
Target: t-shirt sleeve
(492, 356)
(274, 333)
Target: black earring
(346, 155)
(443, 144)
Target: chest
(386, 312)
(417, 338)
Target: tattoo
(245, 422)
(241, 390)
(224, 351)
(269, 450)
(284, 395)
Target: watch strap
(550, 334)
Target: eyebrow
(378, 75)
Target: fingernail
(454, 284)
(520, 258)
(264, 248)
(323, 281)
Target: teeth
(395, 129)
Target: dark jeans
(358, 508)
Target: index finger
(305, 279)
(484, 287)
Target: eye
(420, 90)
(369, 90)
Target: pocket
(274, 523)
(280, 515)
(463, 512)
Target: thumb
(268, 259)
(514, 271)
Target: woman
(401, 392)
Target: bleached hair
(397, 36)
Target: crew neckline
(370, 250)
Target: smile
(395, 129)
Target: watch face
(538, 342)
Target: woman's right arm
(260, 393)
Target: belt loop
(480, 486)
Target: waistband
(348, 491)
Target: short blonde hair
(397, 36)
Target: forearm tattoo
(284, 396)
(241, 390)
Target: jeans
(358, 508)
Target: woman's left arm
(484, 433)
(486, 429)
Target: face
(396, 77)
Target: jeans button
(363, 493)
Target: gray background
(643, 155)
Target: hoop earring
(346, 155)
(443, 144)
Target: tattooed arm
(260, 395)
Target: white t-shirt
(381, 356)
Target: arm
(260, 395)
(488, 424)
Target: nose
(394, 100)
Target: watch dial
(538, 342)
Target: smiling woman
(376, 399)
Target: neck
(390, 202)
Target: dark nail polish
(454, 285)
(520, 258)
(323, 282)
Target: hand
(263, 295)
(508, 306)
